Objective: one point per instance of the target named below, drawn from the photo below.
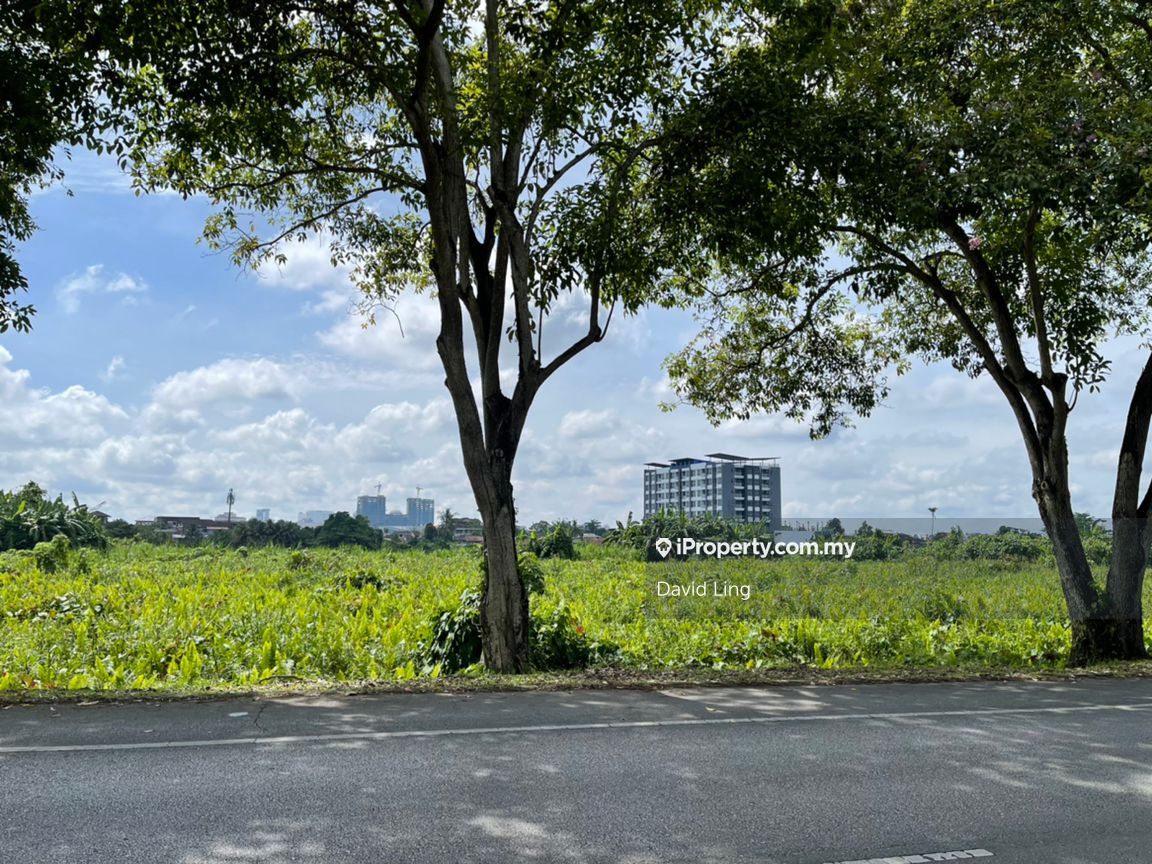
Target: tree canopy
(872, 182)
(480, 151)
(62, 63)
(944, 180)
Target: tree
(474, 150)
(62, 87)
(255, 532)
(29, 517)
(831, 529)
(981, 172)
(120, 529)
(343, 529)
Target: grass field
(144, 617)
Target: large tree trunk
(1126, 586)
(504, 620)
(1106, 625)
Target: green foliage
(119, 529)
(641, 535)
(557, 641)
(342, 529)
(969, 163)
(556, 541)
(52, 555)
(169, 617)
(29, 517)
(455, 643)
(531, 573)
(60, 90)
(256, 533)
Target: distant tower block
(739, 488)
(374, 508)
(421, 512)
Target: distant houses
(179, 528)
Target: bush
(29, 517)
(531, 573)
(641, 535)
(52, 556)
(456, 642)
(556, 638)
(557, 542)
(558, 641)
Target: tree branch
(1036, 296)
(1011, 389)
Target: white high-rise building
(741, 488)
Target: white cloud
(35, 418)
(954, 388)
(115, 367)
(588, 424)
(332, 301)
(404, 338)
(764, 428)
(94, 281)
(228, 380)
(307, 265)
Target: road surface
(1033, 773)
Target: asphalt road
(1036, 773)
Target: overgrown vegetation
(29, 517)
(143, 617)
(557, 541)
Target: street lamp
(932, 534)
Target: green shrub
(52, 556)
(29, 517)
(456, 642)
(531, 573)
(557, 542)
(558, 640)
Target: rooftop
(713, 458)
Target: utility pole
(231, 500)
(933, 510)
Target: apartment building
(740, 488)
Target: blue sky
(158, 376)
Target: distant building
(421, 512)
(468, 529)
(732, 487)
(180, 528)
(264, 515)
(374, 508)
(313, 518)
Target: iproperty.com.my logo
(684, 547)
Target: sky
(158, 376)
